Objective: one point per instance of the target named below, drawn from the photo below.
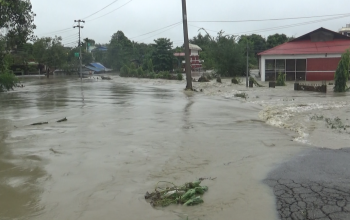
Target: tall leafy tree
(16, 17)
(256, 43)
(50, 51)
(276, 39)
(162, 55)
(120, 51)
(205, 42)
(228, 55)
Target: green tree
(342, 73)
(120, 51)
(229, 56)
(141, 52)
(206, 43)
(50, 51)
(275, 40)
(256, 44)
(17, 18)
(162, 55)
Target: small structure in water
(97, 68)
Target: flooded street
(123, 136)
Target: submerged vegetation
(8, 81)
(133, 71)
(188, 194)
(334, 124)
(281, 79)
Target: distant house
(96, 67)
(311, 57)
(345, 30)
(196, 63)
(100, 48)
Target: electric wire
(110, 11)
(175, 24)
(161, 32)
(288, 26)
(271, 19)
(101, 9)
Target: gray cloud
(142, 16)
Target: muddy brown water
(121, 139)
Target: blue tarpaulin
(98, 66)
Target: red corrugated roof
(308, 47)
(304, 44)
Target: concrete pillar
(262, 68)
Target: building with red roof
(311, 57)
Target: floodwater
(123, 136)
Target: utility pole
(80, 56)
(187, 47)
(247, 78)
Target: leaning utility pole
(187, 47)
(80, 56)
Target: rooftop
(319, 41)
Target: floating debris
(62, 120)
(106, 78)
(40, 123)
(189, 194)
(242, 95)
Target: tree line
(223, 52)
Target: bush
(140, 72)
(8, 81)
(281, 80)
(133, 73)
(152, 75)
(164, 75)
(179, 76)
(341, 76)
(125, 71)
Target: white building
(345, 30)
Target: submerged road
(124, 135)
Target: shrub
(125, 71)
(281, 80)
(341, 76)
(152, 75)
(133, 73)
(140, 72)
(164, 75)
(8, 81)
(179, 76)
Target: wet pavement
(313, 185)
(122, 137)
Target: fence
(312, 88)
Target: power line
(161, 32)
(177, 23)
(101, 9)
(203, 28)
(270, 19)
(110, 11)
(57, 31)
(288, 26)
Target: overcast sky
(138, 17)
